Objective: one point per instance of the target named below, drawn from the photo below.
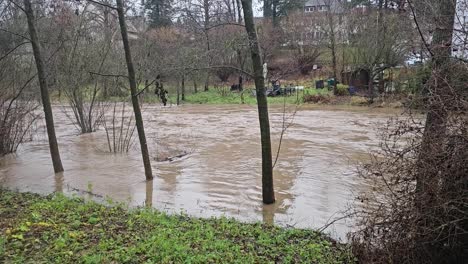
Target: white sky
(257, 6)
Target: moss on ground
(57, 229)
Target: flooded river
(220, 175)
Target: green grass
(56, 229)
(217, 97)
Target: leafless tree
(134, 92)
(42, 76)
(267, 164)
(416, 209)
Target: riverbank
(57, 229)
(214, 96)
(307, 96)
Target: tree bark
(370, 86)
(183, 87)
(178, 93)
(274, 13)
(41, 73)
(267, 165)
(267, 8)
(195, 86)
(332, 36)
(239, 12)
(435, 128)
(206, 24)
(134, 92)
(207, 82)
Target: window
(311, 8)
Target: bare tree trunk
(267, 165)
(432, 151)
(195, 86)
(435, 128)
(332, 36)
(231, 10)
(183, 87)
(267, 11)
(207, 82)
(149, 194)
(41, 73)
(370, 86)
(178, 93)
(239, 12)
(206, 11)
(134, 92)
(274, 13)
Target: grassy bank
(226, 97)
(56, 229)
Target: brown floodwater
(314, 178)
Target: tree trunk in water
(134, 92)
(41, 74)
(435, 128)
(149, 194)
(267, 165)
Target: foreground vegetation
(57, 229)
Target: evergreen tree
(159, 12)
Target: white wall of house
(460, 34)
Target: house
(136, 26)
(316, 6)
(316, 18)
(460, 33)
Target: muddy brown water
(315, 175)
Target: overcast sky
(257, 6)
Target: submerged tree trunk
(134, 92)
(41, 74)
(267, 165)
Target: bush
(316, 98)
(342, 90)
(416, 207)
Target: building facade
(460, 34)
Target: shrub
(316, 98)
